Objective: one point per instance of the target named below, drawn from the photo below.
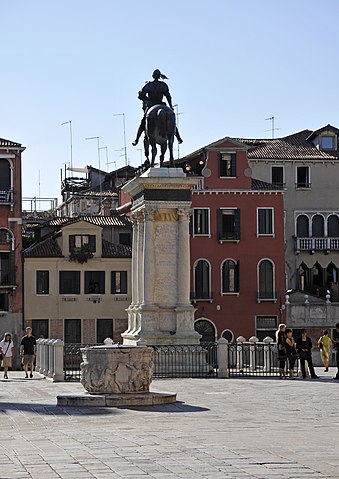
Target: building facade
(77, 279)
(237, 245)
(11, 287)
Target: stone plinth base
(116, 400)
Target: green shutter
(92, 243)
(71, 243)
(237, 277)
(123, 280)
(237, 224)
(233, 164)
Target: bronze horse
(159, 130)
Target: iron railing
(185, 361)
(72, 360)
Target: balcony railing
(317, 244)
(202, 296)
(6, 196)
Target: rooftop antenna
(272, 130)
(70, 141)
(98, 148)
(176, 106)
(105, 148)
(124, 128)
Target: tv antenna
(273, 129)
(124, 128)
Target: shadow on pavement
(177, 407)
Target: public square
(232, 428)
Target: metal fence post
(267, 353)
(222, 358)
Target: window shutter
(219, 223)
(233, 164)
(190, 225)
(237, 277)
(123, 280)
(237, 223)
(77, 282)
(71, 243)
(113, 282)
(92, 243)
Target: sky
(230, 65)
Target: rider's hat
(157, 74)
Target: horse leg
(154, 152)
(163, 151)
(170, 147)
(146, 150)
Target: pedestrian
(27, 351)
(280, 336)
(7, 349)
(304, 348)
(291, 351)
(325, 346)
(336, 347)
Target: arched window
(230, 276)
(202, 279)
(5, 175)
(6, 236)
(317, 226)
(303, 277)
(227, 334)
(317, 275)
(333, 226)
(206, 329)
(266, 280)
(331, 274)
(302, 226)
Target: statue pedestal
(161, 312)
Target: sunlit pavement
(231, 428)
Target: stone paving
(234, 428)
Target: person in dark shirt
(335, 341)
(304, 348)
(27, 351)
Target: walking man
(27, 351)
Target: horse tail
(162, 117)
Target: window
(125, 238)
(201, 224)
(230, 276)
(5, 176)
(202, 280)
(104, 329)
(5, 236)
(265, 221)
(228, 221)
(333, 226)
(302, 226)
(303, 177)
(277, 176)
(228, 165)
(327, 142)
(7, 269)
(266, 280)
(86, 242)
(206, 329)
(42, 282)
(69, 282)
(119, 282)
(72, 331)
(227, 334)
(94, 282)
(318, 226)
(266, 326)
(40, 328)
(3, 301)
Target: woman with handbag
(325, 346)
(281, 344)
(6, 351)
(291, 351)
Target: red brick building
(237, 245)
(10, 238)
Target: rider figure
(152, 94)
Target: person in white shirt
(7, 349)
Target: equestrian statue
(158, 122)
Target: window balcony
(7, 278)
(303, 185)
(316, 244)
(201, 296)
(7, 197)
(266, 296)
